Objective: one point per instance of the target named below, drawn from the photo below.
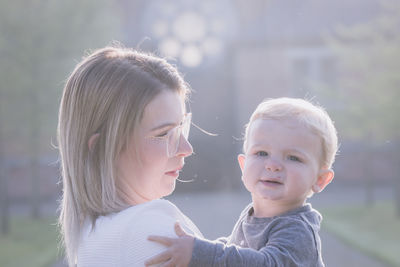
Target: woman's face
(151, 174)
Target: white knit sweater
(120, 239)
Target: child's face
(281, 164)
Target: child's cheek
(254, 161)
(251, 167)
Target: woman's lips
(174, 173)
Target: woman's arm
(158, 218)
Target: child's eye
(294, 158)
(262, 153)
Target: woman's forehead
(168, 107)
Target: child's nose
(273, 165)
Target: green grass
(29, 243)
(374, 230)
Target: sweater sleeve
(135, 248)
(159, 220)
(213, 253)
(290, 243)
(222, 239)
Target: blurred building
(234, 54)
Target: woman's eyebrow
(163, 126)
(168, 125)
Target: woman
(122, 136)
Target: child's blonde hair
(311, 116)
(105, 95)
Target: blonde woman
(122, 137)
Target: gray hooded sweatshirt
(290, 239)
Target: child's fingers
(178, 230)
(166, 241)
(168, 264)
(159, 258)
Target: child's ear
(325, 176)
(241, 160)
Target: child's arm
(179, 250)
(222, 239)
(289, 244)
(207, 253)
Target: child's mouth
(271, 182)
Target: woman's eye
(262, 153)
(294, 158)
(163, 134)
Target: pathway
(225, 207)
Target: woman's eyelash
(162, 134)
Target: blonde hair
(311, 116)
(106, 94)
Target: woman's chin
(170, 188)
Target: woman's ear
(92, 141)
(325, 176)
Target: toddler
(289, 148)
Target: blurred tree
(4, 209)
(40, 42)
(369, 83)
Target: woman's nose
(185, 149)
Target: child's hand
(179, 251)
